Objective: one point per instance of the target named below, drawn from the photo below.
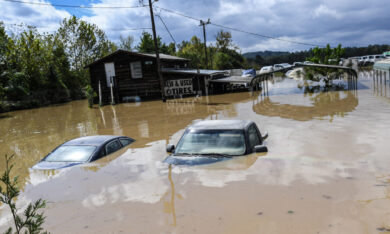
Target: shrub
(32, 220)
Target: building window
(136, 70)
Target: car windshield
(71, 153)
(212, 142)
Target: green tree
(193, 50)
(146, 44)
(126, 43)
(168, 49)
(226, 56)
(225, 41)
(83, 42)
(4, 40)
(327, 55)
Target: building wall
(125, 85)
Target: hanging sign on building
(178, 87)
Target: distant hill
(264, 54)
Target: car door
(253, 137)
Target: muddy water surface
(327, 169)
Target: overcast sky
(351, 23)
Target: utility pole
(157, 53)
(203, 23)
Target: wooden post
(112, 91)
(157, 53)
(203, 23)
(377, 78)
(100, 94)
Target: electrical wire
(173, 39)
(129, 29)
(265, 36)
(239, 30)
(177, 13)
(74, 6)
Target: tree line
(256, 60)
(43, 68)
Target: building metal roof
(234, 79)
(194, 71)
(163, 57)
(220, 125)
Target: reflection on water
(321, 101)
(324, 171)
(381, 85)
(169, 206)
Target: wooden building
(124, 75)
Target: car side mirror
(265, 136)
(170, 148)
(260, 149)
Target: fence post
(112, 91)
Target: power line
(178, 13)
(238, 30)
(25, 26)
(264, 36)
(173, 39)
(74, 6)
(129, 29)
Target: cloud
(46, 18)
(323, 10)
(314, 22)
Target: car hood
(54, 165)
(193, 160)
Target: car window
(125, 141)
(71, 153)
(254, 138)
(113, 146)
(227, 142)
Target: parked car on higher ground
(374, 58)
(277, 67)
(82, 150)
(216, 140)
(266, 69)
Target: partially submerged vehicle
(83, 150)
(216, 140)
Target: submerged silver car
(82, 150)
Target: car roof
(220, 124)
(92, 140)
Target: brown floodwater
(327, 169)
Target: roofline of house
(133, 53)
